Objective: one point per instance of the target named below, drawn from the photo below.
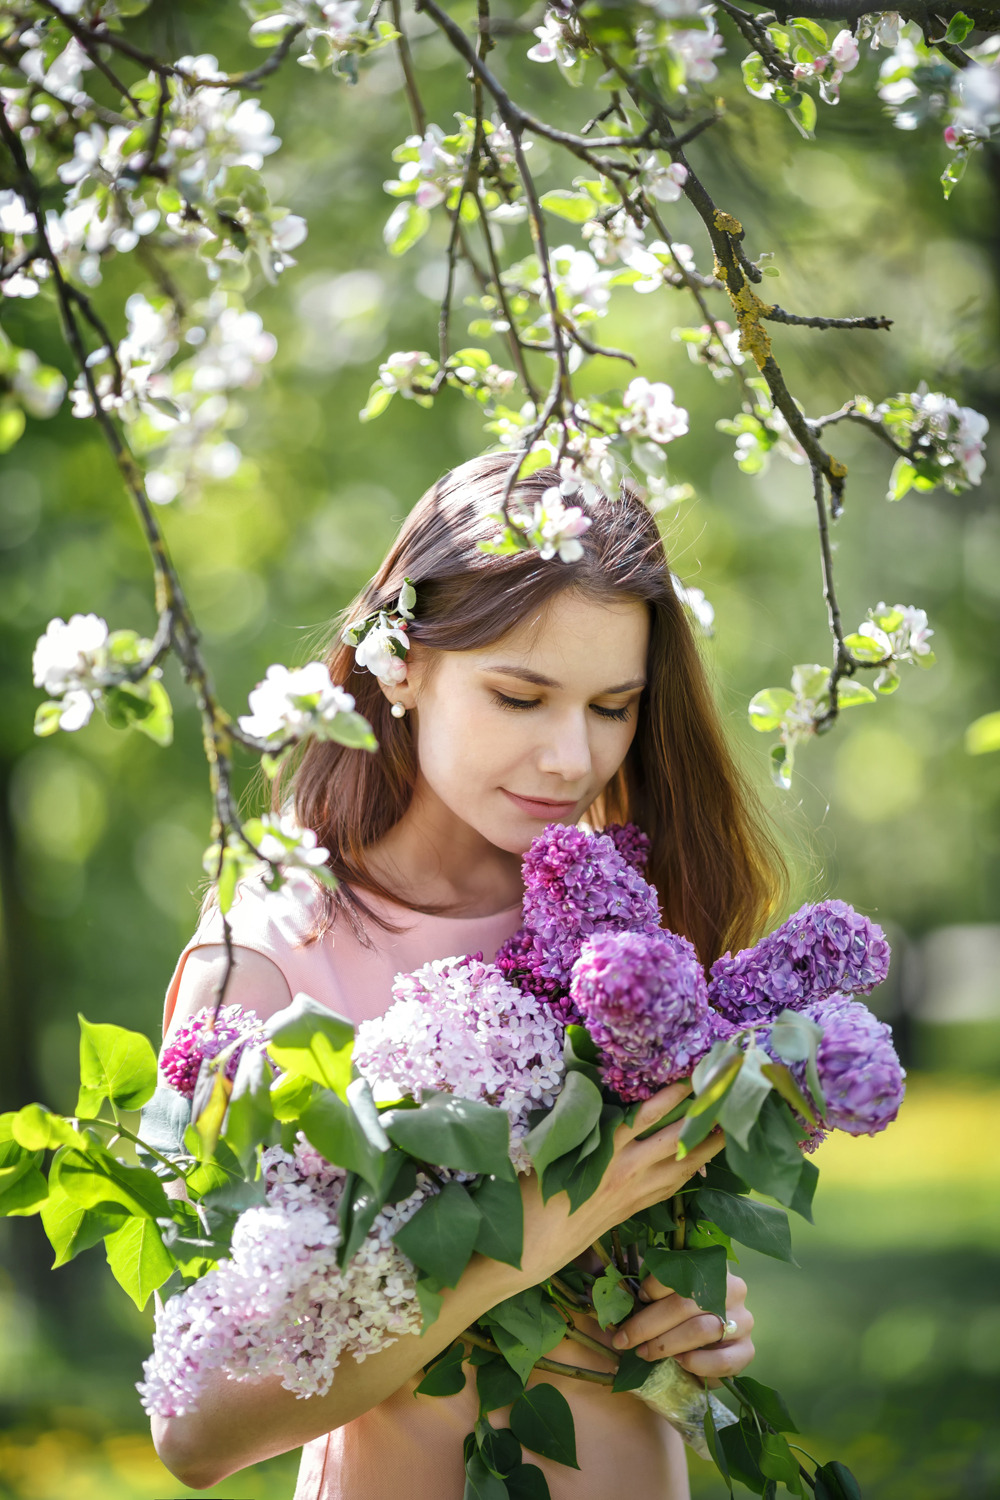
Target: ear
(405, 690)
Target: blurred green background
(887, 1340)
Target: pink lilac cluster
(458, 1025)
(200, 1038)
(859, 1071)
(278, 1305)
(819, 951)
(576, 884)
(644, 1000)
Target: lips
(543, 808)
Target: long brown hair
(714, 862)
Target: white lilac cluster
(458, 1025)
(289, 705)
(278, 1305)
(69, 662)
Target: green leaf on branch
(715, 1448)
(334, 1129)
(115, 1064)
(407, 224)
(576, 207)
(480, 1483)
(441, 1236)
(612, 1300)
(767, 1403)
(157, 723)
(801, 1203)
(250, 1116)
(291, 1094)
(789, 1090)
(771, 1162)
(744, 1102)
(864, 647)
(959, 28)
(575, 1113)
(527, 1482)
(760, 1226)
(139, 1259)
(37, 1129)
(71, 1228)
(778, 1462)
(96, 1178)
(308, 1038)
(768, 708)
(698, 1274)
(501, 1227)
(498, 1448)
(541, 1419)
(741, 1445)
(834, 1481)
(445, 1376)
(498, 1384)
(901, 479)
(462, 1134)
(632, 1372)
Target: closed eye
(503, 700)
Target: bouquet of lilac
(337, 1181)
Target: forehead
(574, 638)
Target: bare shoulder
(256, 983)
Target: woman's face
(529, 730)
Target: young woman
(533, 692)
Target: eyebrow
(527, 675)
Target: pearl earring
(398, 710)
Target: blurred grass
(885, 1341)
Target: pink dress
(412, 1445)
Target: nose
(565, 751)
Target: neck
(433, 858)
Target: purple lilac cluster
(821, 950)
(632, 844)
(644, 1000)
(200, 1038)
(859, 1071)
(576, 884)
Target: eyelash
(618, 714)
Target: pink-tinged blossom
(279, 1305)
(697, 50)
(844, 51)
(191, 1044)
(859, 1070)
(644, 1000)
(820, 950)
(457, 1025)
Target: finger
(667, 1175)
(736, 1291)
(659, 1105)
(687, 1334)
(664, 1317)
(725, 1359)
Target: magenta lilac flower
(632, 844)
(180, 1062)
(576, 884)
(821, 950)
(644, 1001)
(859, 1070)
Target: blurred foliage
(887, 1339)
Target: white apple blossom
(665, 183)
(885, 32)
(553, 528)
(695, 602)
(697, 50)
(15, 217)
(577, 273)
(399, 372)
(660, 265)
(67, 662)
(844, 51)
(288, 844)
(652, 412)
(976, 96)
(553, 43)
(63, 77)
(615, 239)
(288, 705)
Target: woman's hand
(640, 1173)
(672, 1324)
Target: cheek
(462, 742)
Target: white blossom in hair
(380, 640)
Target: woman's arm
(241, 1422)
